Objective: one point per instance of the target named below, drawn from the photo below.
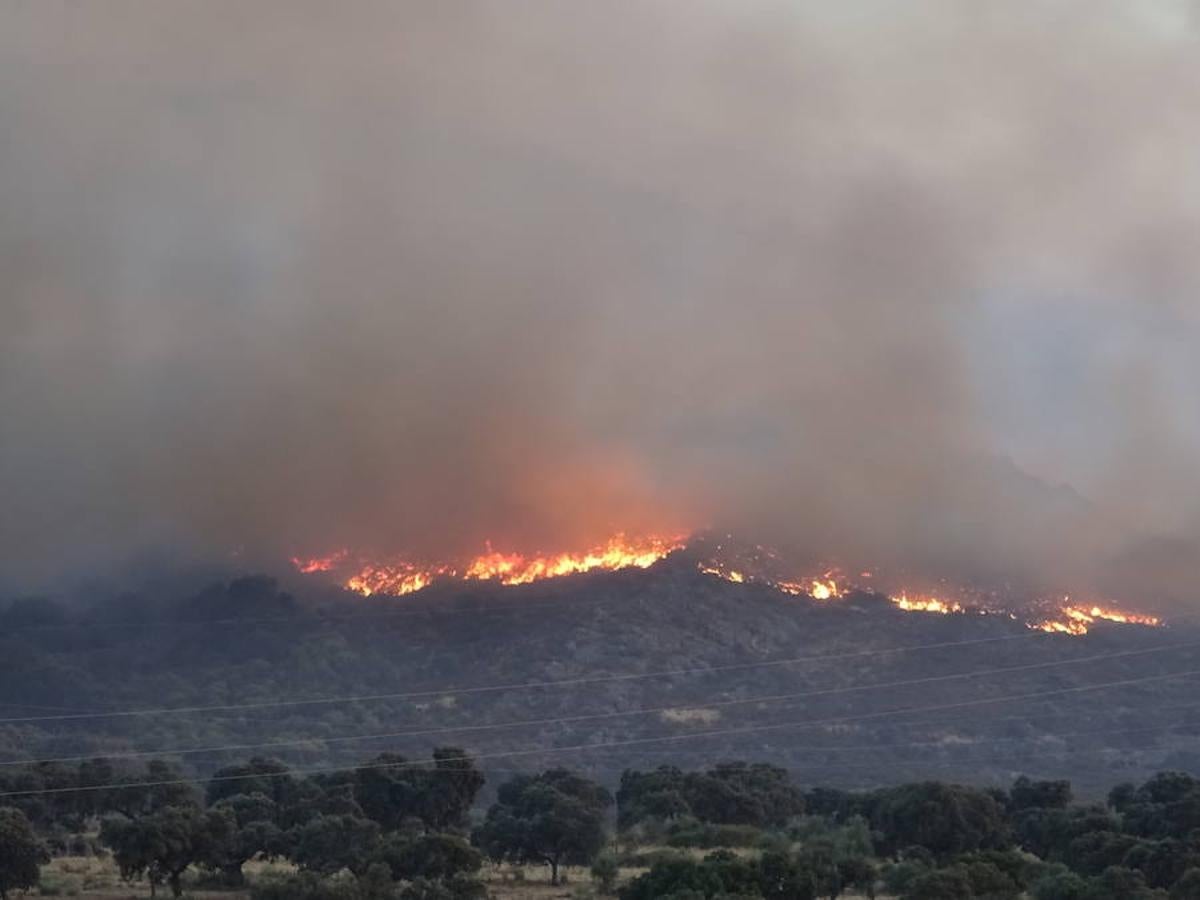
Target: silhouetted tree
(162, 845)
(21, 853)
(553, 818)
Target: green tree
(946, 819)
(21, 853)
(1026, 794)
(1118, 883)
(429, 856)
(328, 844)
(1188, 886)
(1062, 884)
(605, 871)
(553, 818)
(393, 790)
(941, 884)
(256, 834)
(163, 844)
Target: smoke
(898, 280)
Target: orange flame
(926, 604)
(400, 577)
(1078, 619)
(320, 563)
(725, 574)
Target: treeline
(400, 829)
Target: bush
(1060, 885)
(605, 871)
(709, 837)
(951, 883)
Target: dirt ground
(91, 878)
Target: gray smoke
(911, 281)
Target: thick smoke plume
(912, 281)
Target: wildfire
(756, 565)
(823, 588)
(725, 574)
(400, 577)
(1078, 619)
(926, 604)
(320, 563)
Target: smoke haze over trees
(894, 280)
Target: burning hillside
(399, 576)
(725, 560)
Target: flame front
(398, 577)
(926, 604)
(1078, 619)
(320, 563)
(759, 566)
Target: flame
(724, 574)
(823, 588)
(618, 553)
(926, 604)
(1078, 619)
(320, 563)
(398, 577)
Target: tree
(1187, 887)
(605, 871)
(720, 874)
(328, 844)
(254, 817)
(783, 878)
(1118, 883)
(947, 819)
(265, 777)
(21, 853)
(429, 856)
(1026, 793)
(553, 818)
(392, 790)
(941, 884)
(1062, 884)
(163, 844)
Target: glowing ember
(320, 563)
(725, 574)
(399, 577)
(823, 588)
(926, 604)
(1078, 619)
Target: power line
(591, 717)
(529, 685)
(629, 742)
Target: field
(96, 878)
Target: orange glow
(320, 563)
(1078, 619)
(823, 588)
(926, 604)
(726, 574)
(618, 553)
(398, 577)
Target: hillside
(472, 652)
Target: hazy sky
(905, 279)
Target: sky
(907, 281)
